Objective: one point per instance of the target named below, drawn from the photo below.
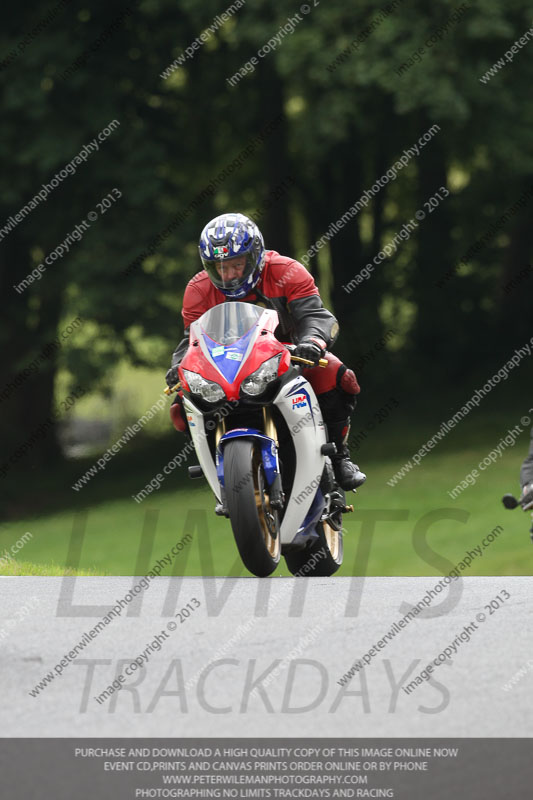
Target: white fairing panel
(299, 406)
(195, 419)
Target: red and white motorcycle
(261, 443)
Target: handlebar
(322, 363)
(510, 502)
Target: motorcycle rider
(237, 267)
(526, 474)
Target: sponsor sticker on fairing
(300, 401)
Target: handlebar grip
(511, 502)
(322, 363)
(168, 391)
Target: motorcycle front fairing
(227, 344)
(231, 341)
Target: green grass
(108, 524)
(27, 568)
(110, 536)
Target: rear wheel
(254, 522)
(322, 557)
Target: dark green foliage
(345, 120)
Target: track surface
(201, 681)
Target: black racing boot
(347, 474)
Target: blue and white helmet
(230, 236)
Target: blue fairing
(307, 529)
(228, 358)
(269, 452)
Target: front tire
(255, 524)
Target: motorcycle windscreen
(229, 322)
(227, 329)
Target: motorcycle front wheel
(254, 522)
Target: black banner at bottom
(407, 769)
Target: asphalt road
(262, 658)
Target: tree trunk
(29, 321)
(275, 224)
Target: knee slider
(347, 381)
(177, 414)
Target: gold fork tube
(270, 428)
(220, 431)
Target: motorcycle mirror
(509, 501)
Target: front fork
(276, 496)
(221, 509)
(268, 424)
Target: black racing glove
(312, 348)
(172, 377)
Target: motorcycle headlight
(257, 382)
(208, 390)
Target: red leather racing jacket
(285, 285)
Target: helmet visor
(229, 274)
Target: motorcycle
(261, 443)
